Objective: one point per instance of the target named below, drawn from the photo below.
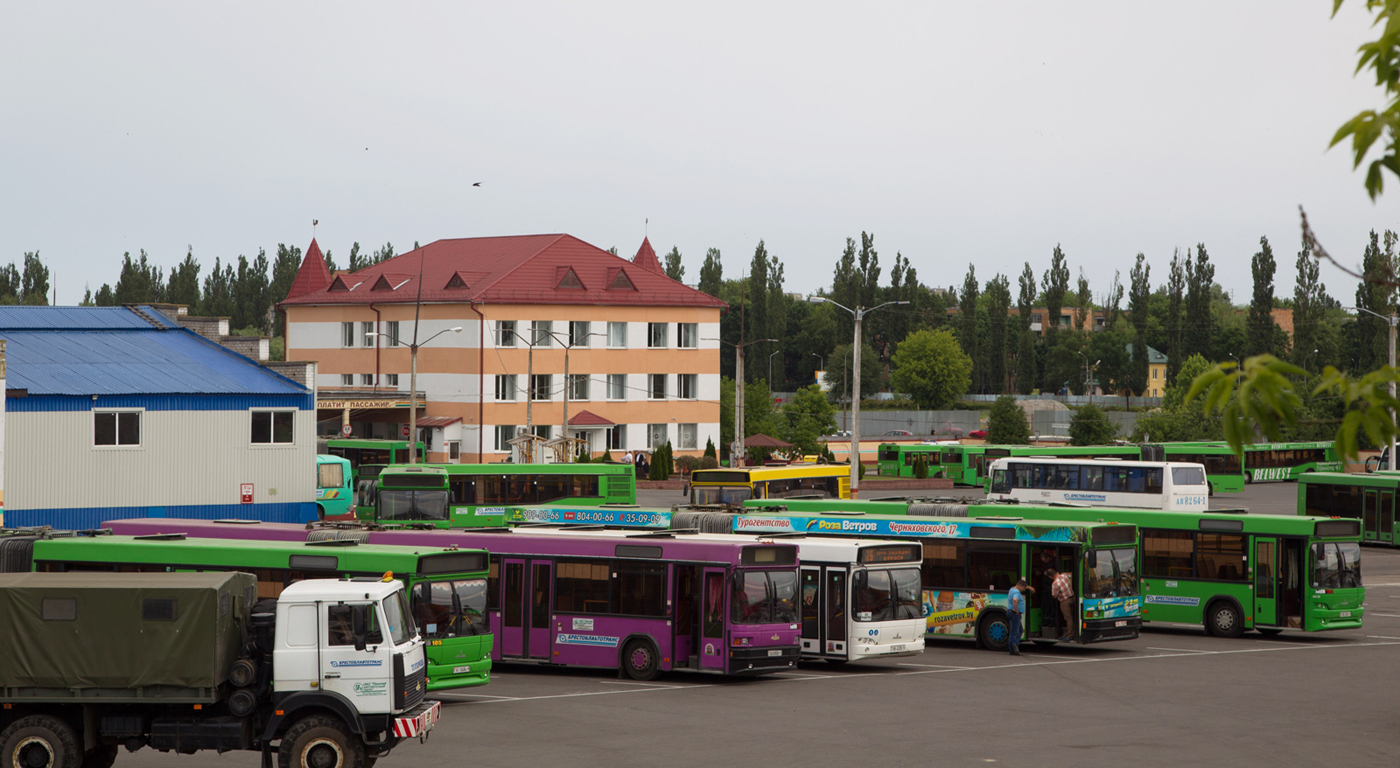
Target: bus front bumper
(757, 661)
(1104, 630)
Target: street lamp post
(859, 314)
(413, 387)
(737, 447)
(568, 345)
(1308, 358)
(1391, 321)
(770, 368)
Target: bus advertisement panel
(1289, 461)
(617, 517)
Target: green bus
(460, 660)
(477, 495)
(1369, 498)
(1289, 461)
(1226, 571)
(964, 464)
(370, 452)
(897, 459)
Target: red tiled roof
(313, 276)
(589, 419)
(646, 258)
(520, 269)
(438, 421)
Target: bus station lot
(1172, 697)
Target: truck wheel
(40, 741)
(100, 756)
(320, 742)
(639, 659)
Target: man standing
(1015, 612)
(1062, 589)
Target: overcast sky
(955, 132)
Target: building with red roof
(641, 357)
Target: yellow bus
(724, 487)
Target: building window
(617, 438)
(391, 330)
(367, 379)
(505, 387)
(617, 335)
(686, 385)
(656, 335)
(116, 428)
(656, 388)
(367, 337)
(391, 379)
(545, 431)
(578, 386)
(579, 333)
(617, 386)
(505, 333)
(272, 427)
(541, 333)
(1154, 374)
(504, 434)
(539, 386)
(347, 334)
(687, 335)
(687, 436)
(656, 436)
(347, 379)
(454, 450)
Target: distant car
(982, 433)
(899, 433)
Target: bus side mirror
(359, 625)
(1093, 560)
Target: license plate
(1345, 614)
(897, 648)
(1120, 623)
(775, 652)
(461, 670)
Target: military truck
(329, 675)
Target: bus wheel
(320, 512)
(1224, 620)
(993, 632)
(639, 659)
(1268, 631)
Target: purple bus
(645, 602)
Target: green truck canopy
(114, 636)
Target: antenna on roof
(646, 228)
(314, 222)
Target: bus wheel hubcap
(641, 659)
(999, 631)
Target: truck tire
(100, 756)
(320, 741)
(40, 741)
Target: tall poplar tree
(1025, 337)
(183, 287)
(674, 269)
(712, 273)
(1085, 301)
(1176, 295)
(1259, 328)
(1308, 304)
(967, 326)
(998, 319)
(1198, 328)
(1139, 294)
(1054, 286)
(284, 271)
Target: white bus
(1169, 485)
(861, 598)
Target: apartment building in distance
(640, 348)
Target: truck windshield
(719, 494)
(401, 628)
(764, 597)
(408, 504)
(1110, 573)
(451, 608)
(886, 595)
(1336, 565)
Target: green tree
(284, 270)
(34, 283)
(998, 299)
(1382, 56)
(967, 324)
(1309, 305)
(387, 252)
(1138, 313)
(839, 371)
(183, 287)
(218, 299)
(140, 281)
(357, 261)
(1260, 326)
(1084, 301)
(806, 418)
(712, 273)
(1198, 332)
(674, 269)
(1006, 423)
(11, 285)
(1054, 285)
(1176, 296)
(1091, 426)
(932, 368)
(1025, 337)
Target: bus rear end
(761, 628)
(335, 493)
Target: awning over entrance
(589, 419)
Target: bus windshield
(408, 504)
(1110, 573)
(401, 627)
(1336, 564)
(764, 597)
(450, 608)
(887, 595)
(719, 494)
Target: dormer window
(569, 279)
(620, 281)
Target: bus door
(712, 645)
(1386, 517)
(537, 642)
(1290, 583)
(687, 634)
(513, 609)
(811, 610)
(1266, 578)
(834, 611)
(1370, 504)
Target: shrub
(921, 468)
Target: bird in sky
(476, 184)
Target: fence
(1103, 401)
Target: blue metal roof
(115, 351)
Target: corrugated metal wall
(186, 458)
